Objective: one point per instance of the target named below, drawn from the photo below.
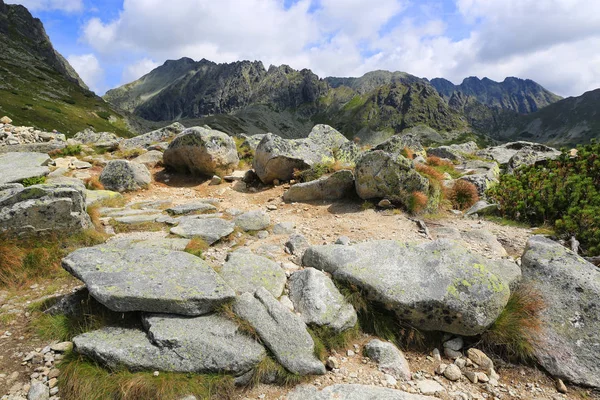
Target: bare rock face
(337, 186)
(43, 208)
(202, 151)
(15, 167)
(435, 286)
(570, 288)
(148, 139)
(389, 359)
(148, 279)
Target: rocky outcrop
(503, 153)
(125, 176)
(148, 279)
(103, 140)
(398, 143)
(202, 151)
(385, 175)
(570, 288)
(282, 331)
(454, 152)
(277, 158)
(338, 185)
(43, 208)
(247, 272)
(434, 286)
(166, 134)
(16, 167)
(319, 302)
(19, 136)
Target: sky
(554, 42)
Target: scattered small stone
(480, 358)
(472, 376)
(448, 352)
(441, 368)
(333, 363)
(156, 373)
(560, 386)
(216, 180)
(452, 372)
(429, 387)
(436, 354)
(455, 344)
(350, 353)
(343, 240)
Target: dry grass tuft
(430, 172)
(463, 194)
(197, 247)
(93, 183)
(417, 202)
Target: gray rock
(283, 332)
(503, 153)
(351, 392)
(150, 159)
(210, 230)
(148, 279)
(284, 228)
(211, 343)
(15, 167)
(216, 180)
(343, 240)
(455, 344)
(452, 372)
(202, 151)
(482, 207)
(277, 158)
(96, 196)
(297, 244)
(454, 151)
(482, 174)
(570, 288)
(125, 176)
(337, 186)
(485, 240)
(191, 208)
(77, 164)
(389, 359)
(42, 208)
(105, 140)
(437, 285)
(246, 272)
(138, 219)
(480, 358)
(529, 156)
(397, 143)
(148, 139)
(429, 386)
(253, 221)
(38, 391)
(319, 302)
(380, 174)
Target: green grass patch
(197, 247)
(82, 378)
(151, 226)
(69, 150)
(327, 339)
(36, 180)
(269, 370)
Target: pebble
(560, 386)
(455, 344)
(452, 372)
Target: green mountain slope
(39, 88)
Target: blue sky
(112, 42)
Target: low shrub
(563, 194)
(69, 150)
(463, 194)
(36, 180)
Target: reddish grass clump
(429, 172)
(463, 194)
(408, 153)
(93, 183)
(417, 202)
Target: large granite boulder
(15, 167)
(125, 176)
(202, 151)
(351, 392)
(277, 158)
(246, 272)
(146, 140)
(529, 156)
(380, 174)
(319, 302)
(282, 331)
(337, 186)
(148, 279)
(210, 230)
(209, 344)
(570, 288)
(59, 207)
(454, 152)
(397, 143)
(104, 140)
(503, 153)
(438, 285)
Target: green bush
(36, 180)
(564, 194)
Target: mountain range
(40, 88)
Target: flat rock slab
(435, 286)
(210, 230)
(15, 167)
(334, 187)
(138, 219)
(212, 343)
(351, 392)
(570, 288)
(319, 302)
(282, 331)
(168, 244)
(253, 221)
(199, 207)
(148, 279)
(129, 212)
(96, 196)
(246, 272)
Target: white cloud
(138, 69)
(550, 41)
(89, 69)
(64, 5)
